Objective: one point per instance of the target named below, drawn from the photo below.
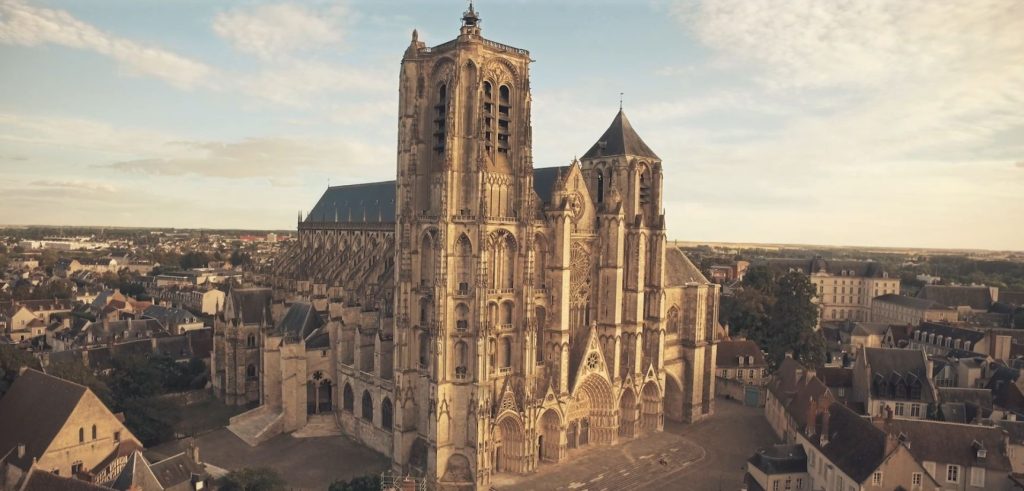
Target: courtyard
(305, 463)
(708, 455)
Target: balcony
(504, 370)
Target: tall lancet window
(600, 186)
(440, 118)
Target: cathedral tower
(463, 282)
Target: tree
(75, 371)
(361, 483)
(12, 360)
(258, 479)
(778, 313)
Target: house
(839, 381)
(957, 456)
(940, 339)
(867, 335)
(779, 467)
(892, 308)
(897, 336)
(845, 289)
(893, 382)
(742, 371)
(174, 320)
(966, 300)
(58, 426)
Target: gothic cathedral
(478, 315)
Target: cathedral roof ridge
(620, 139)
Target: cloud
(25, 25)
(1020, 164)
(274, 30)
(299, 83)
(277, 159)
(74, 184)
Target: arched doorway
(324, 398)
(650, 408)
(549, 441)
(673, 399)
(595, 411)
(508, 442)
(627, 414)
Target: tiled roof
(175, 470)
(729, 352)
(951, 443)
(854, 444)
(909, 302)
(864, 269)
(894, 365)
(34, 410)
(40, 480)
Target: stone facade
(483, 316)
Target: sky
(845, 122)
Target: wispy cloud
(26, 25)
(275, 30)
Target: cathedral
(477, 315)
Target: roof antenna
(620, 101)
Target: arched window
(600, 186)
(541, 324)
(487, 89)
(427, 261)
(463, 264)
(424, 349)
(385, 414)
(441, 114)
(506, 313)
(93, 432)
(347, 398)
(504, 93)
(81, 435)
(461, 360)
(645, 186)
(540, 251)
(506, 352)
(250, 371)
(367, 406)
(251, 341)
(503, 264)
(461, 317)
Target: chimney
(21, 450)
(825, 416)
(812, 417)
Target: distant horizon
(670, 239)
(786, 121)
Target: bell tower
(463, 301)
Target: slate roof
(729, 352)
(1014, 429)
(894, 364)
(948, 331)
(544, 180)
(34, 410)
(854, 445)
(909, 302)
(368, 202)
(40, 480)
(780, 459)
(136, 474)
(299, 321)
(976, 297)
(865, 269)
(169, 317)
(346, 204)
(951, 443)
(679, 270)
(251, 305)
(869, 329)
(1011, 298)
(620, 139)
(176, 470)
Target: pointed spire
(620, 139)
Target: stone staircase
(257, 425)
(318, 425)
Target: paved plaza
(305, 463)
(709, 455)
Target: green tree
(78, 373)
(257, 479)
(12, 360)
(792, 319)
